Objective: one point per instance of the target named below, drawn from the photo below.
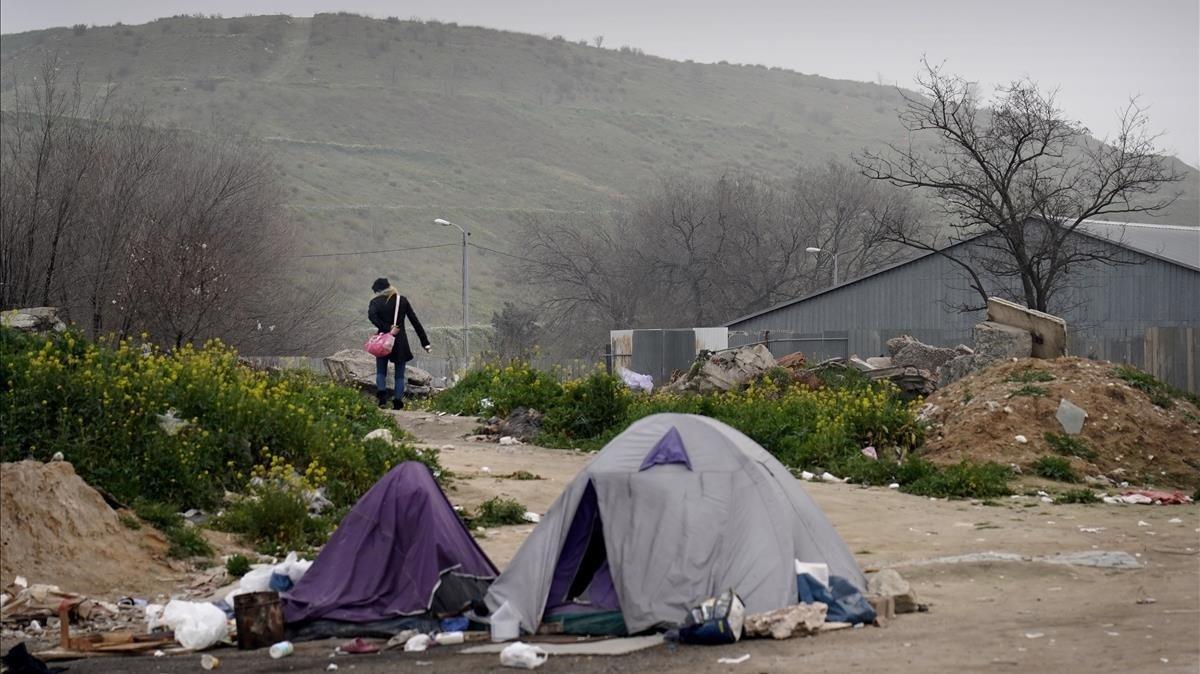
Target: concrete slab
(1049, 332)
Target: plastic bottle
(209, 662)
(282, 649)
(449, 638)
(506, 625)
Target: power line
(500, 252)
(385, 250)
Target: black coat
(380, 312)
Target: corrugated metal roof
(1174, 243)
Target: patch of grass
(990, 503)
(1161, 393)
(1029, 390)
(961, 480)
(1029, 375)
(1077, 496)
(1055, 468)
(1069, 445)
(237, 565)
(130, 521)
(273, 515)
(521, 475)
(498, 511)
(185, 541)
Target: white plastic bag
(417, 643)
(154, 614)
(635, 381)
(197, 625)
(523, 656)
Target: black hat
(381, 284)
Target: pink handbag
(380, 345)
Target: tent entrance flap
(582, 577)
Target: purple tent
(401, 551)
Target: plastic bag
(523, 656)
(717, 620)
(197, 625)
(635, 381)
(417, 643)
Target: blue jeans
(381, 368)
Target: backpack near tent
(676, 509)
(401, 552)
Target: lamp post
(817, 251)
(466, 281)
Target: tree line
(135, 229)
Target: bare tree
(1023, 175)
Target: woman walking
(387, 312)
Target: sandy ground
(1012, 616)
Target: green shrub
(1077, 496)
(1029, 390)
(100, 403)
(185, 540)
(1055, 468)
(961, 480)
(498, 390)
(588, 407)
(273, 513)
(1069, 445)
(237, 565)
(1029, 375)
(130, 522)
(498, 511)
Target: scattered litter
(281, 650)
(1091, 530)
(894, 485)
(197, 625)
(1147, 600)
(1113, 634)
(1174, 520)
(209, 662)
(509, 441)
(805, 475)
(417, 643)
(485, 469)
(733, 661)
(636, 381)
(449, 638)
(532, 517)
(784, 623)
(170, 422)
(401, 639)
(159, 654)
(523, 656)
(1034, 635)
(1143, 523)
(830, 477)
(1070, 416)
(331, 668)
(870, 453)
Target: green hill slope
(381, 126)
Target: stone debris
(889, 583)
(726, 370)
(357, 368)
(907, 351)
(787, 622)
(522, 424)
(38, 320)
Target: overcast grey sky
(1099, 52)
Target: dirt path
(1005, 616)
(291, 50)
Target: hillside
(380, 126)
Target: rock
(995, 341)
(1021, 439)
(879, 362)
(889, 583)
(884, 607)
(1048, 333)
(895, 344)
(380, 434)
(921, 356)
(725, 370)
(964, 350)
(787, 622)
(357, 368)
(33, 319)
(859, 364)
(1070, 416)
(793, 361)
(522, 423)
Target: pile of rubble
(726, 370)
(357, 368)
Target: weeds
(1077, 496)
(131, 522)
(185, 541)
(1161, 393)
(1029, 390)
(1055, 468)
(1029, 375)
(498, 511)
(237, 565)
(962, 480)
(1069, 445)
(521, 475)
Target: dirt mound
(56, 529)
(1125, 437)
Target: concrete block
(1049, 332)
(998, 341)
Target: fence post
(608, 358)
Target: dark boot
(382, 398)
(398, 404)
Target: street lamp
(466, 276)
(817, 251)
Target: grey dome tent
(676, 509)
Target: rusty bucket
(259, 617)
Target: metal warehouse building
(1146, 313)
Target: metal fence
(781, 343)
